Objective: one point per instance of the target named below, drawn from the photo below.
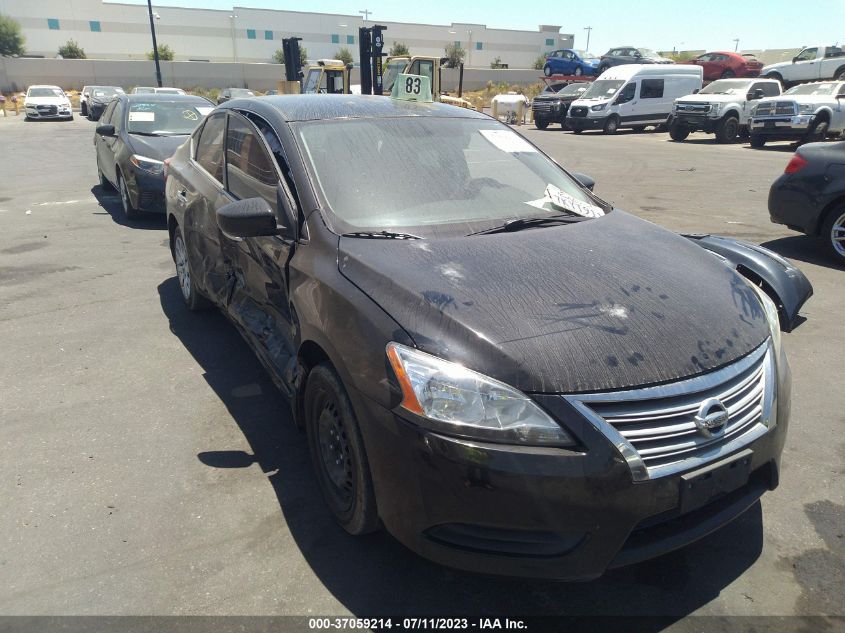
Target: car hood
(556, 97)
(711, 98)
(769, 67)
(57, 101)
(603, 304)
(157, 147)
(800, 98)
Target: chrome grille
(776, 108)
(696, 108)
(655, 427)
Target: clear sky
(657, 24)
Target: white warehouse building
(113, 30)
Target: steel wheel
(334, 455)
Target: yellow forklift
(327, 76)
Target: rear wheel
(547, 70)
(840, 73)
(194, 299)
(611, 125)
(337, 451)
(727, 129)
(578, 71)
(129, 209)
(757, 141)
(833, 233)
(678, 131)
(83, 109)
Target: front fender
(788, 287)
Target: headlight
(715, 108)
(598, 107)
(771, 311)
(149, 165)
(806, 108)
(457, 400)
(753, 111)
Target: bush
(279, 56)
(11, 40)
(539, 62)
(454, 55)
(399, 49)
(496, 63)
(165, 53)
(72, 50)
(344, 55)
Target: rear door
(107, 146)
(259, 300)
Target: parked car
(630, 55)
(632, 96)
(804, 113)
(551, 107)
(811, 64)
(234, 93)
(721, 108)
(99, 98)
(135, 136)
(571, 62)
(476, 352)
(46, 102)
(810, 195)
(725, 65)
(85, 95)
(149, 90)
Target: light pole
(736, 45)
(155, 44)
(366, 13)
(234, 40)
(589, 30)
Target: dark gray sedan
(135, 136)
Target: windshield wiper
(524, 223)
(386, 235)
(144, 133)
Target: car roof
(43, 86)
(162, 97)
(310, 107)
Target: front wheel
(541, 124)
(727, 130)
(611, 125)
(337, 452)
(757, 141)
(129, 209)
(678, 131)
(818, 133)
(547, 70)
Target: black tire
(776, 76)
(129, 210)
(840, 73)
(727, 129)
(541, 124)
(611, 125)
(818, 132)
(728, 74)
(678, 131)
(601, 69)
(577, 130)
(83, 109)
(834, 226)
(337, 452)
(757, 141)
(547, 70)
(193, 297)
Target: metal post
(736, 45)
(234, 39)
(589, 30)
(155, 44)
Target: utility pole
(366, 13)
(155, 44)
(589, 30)
(736, 45)
(234, 37)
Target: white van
(632, 96)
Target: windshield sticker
(508, 141)
(142, 116)
(190, 115)
(203, 110)
(560, 200)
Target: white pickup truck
(811, 64)
(804, 113)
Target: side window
(249, 169)
(614, 53)
(627, 93)
(807, 54)
(117, 116)
(720, 58)
(105, 119)
(425, 67)
(705, 58)
(769, 89)
(651, 89)
(210, 146)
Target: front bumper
(782, 128)
(541, 512)
(698, 122)
(146, 191)
(53, 112)
(586, 122)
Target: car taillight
(797, 163)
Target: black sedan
(551, 107)
(630, 55)
(810, 195)
(99, 98)
(483, 359)
(135, 136)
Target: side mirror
(247, 218)
(585, 180)
(696, 91)
(105, 130)
(758, 94)
(794, 59)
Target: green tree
(72, 50)
(344, 55)
(11, 40)
(165, 53)
(539, 62)
(279, 56)
(454, 55)
(399, 49)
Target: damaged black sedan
(489, 361)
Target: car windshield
(166, 118)
(393, 68)
(647, 52)
(827, 88)
(45, 92)
(585, 55)
(573, 89)
(104, 92)
(242, 92)
(434, 177)
(603, 88)
(726, 87)
(169, 91)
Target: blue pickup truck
(571, 62)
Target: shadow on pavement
(803, 248)
(375, 575)
(109, 201)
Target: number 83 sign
(411, 88)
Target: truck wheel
(541, 124)
(818, 133)
(757, 141)
(840, 73)
(775, 76)
(678, 131)
(727, 130)
(547, 70)
(611, 125)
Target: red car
(722, 65)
